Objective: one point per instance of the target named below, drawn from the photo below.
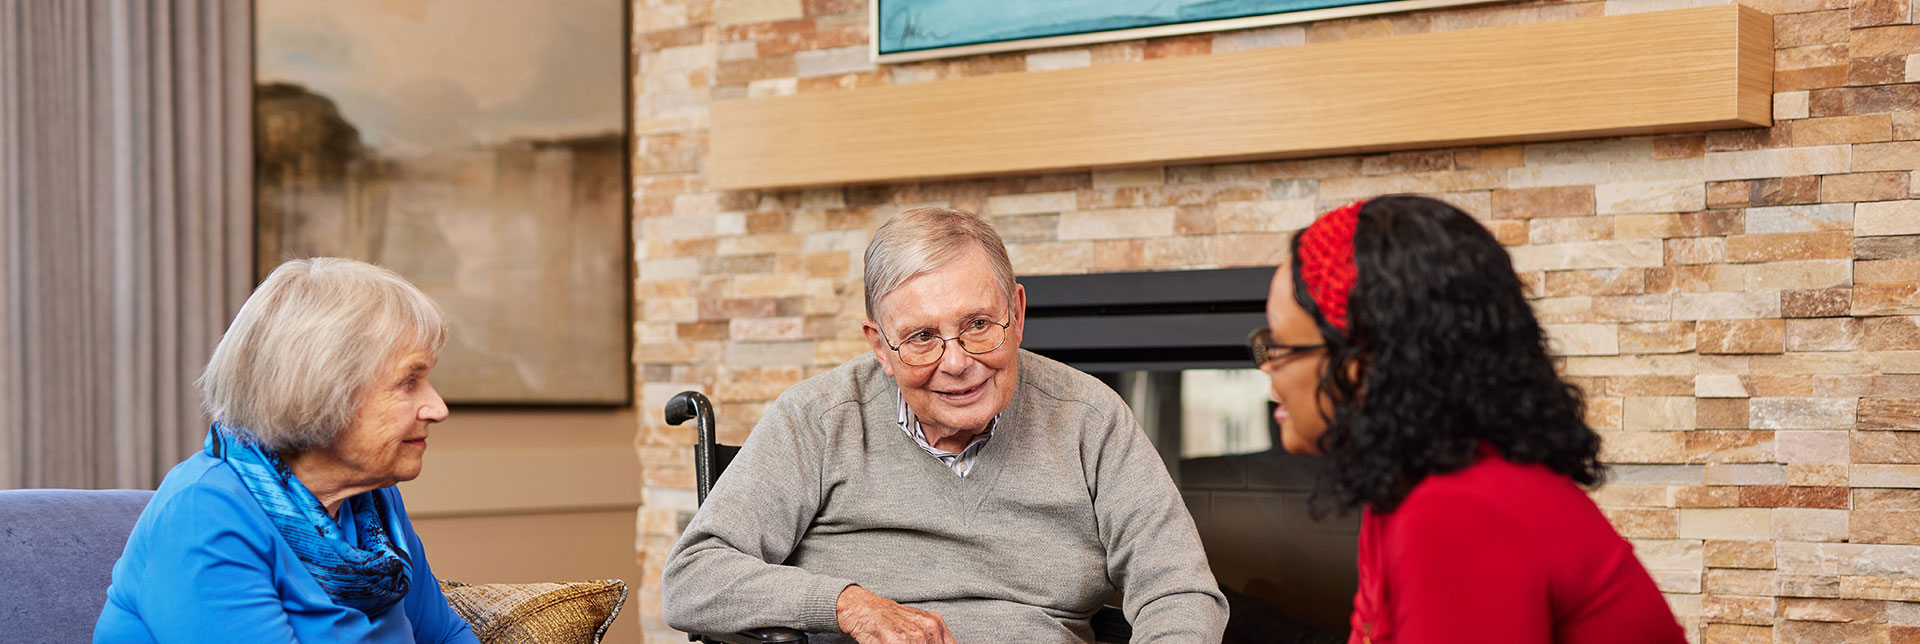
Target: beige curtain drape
(125, 229)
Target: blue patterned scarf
(370, 578)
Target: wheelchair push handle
(687, 405)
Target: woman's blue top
(205, 564)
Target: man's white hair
(922, 239)
(296, 365)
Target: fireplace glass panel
(1289, 577)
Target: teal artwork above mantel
(906, 30)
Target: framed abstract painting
(480, 149)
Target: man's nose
(953, 358)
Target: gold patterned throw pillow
(574, 612)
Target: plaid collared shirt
(960, 463)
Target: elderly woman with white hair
(287, 525)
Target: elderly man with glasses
(947, 488)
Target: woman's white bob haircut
(295, 366)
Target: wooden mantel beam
(1668, 71)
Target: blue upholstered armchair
(57, 549)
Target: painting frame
(1078, 39)
(622, 376)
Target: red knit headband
(1326, 261)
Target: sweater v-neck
(963, 494)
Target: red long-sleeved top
(1503, 553)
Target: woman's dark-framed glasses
(1264, 350)
(925, 347)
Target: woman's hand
(872, 619)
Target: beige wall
(1742, 307)
(528, 495)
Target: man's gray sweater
(1067, 504)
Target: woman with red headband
(1402, 350)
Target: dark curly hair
(1447, 355)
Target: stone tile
(1790, 105)
(1267, 38)
(1872, 500)
(1873, 42)
(1892, 334)
(1680, 146)
(1889, 414)
(1251, 249)
(1053, 258)
(1816, 303)
(1023, 204)
(1746, 474)
(1119, 255)
(1789, 246)
(1864, 186)
(1784, 191)
(1800, 218)
(1897, 447)
(1809, 79)
(1824, 334)
(1264, 216)
(1620, 281)
(1738, 554)
(1813, 525)
(1178, 46)
(1784, 162)
(1892, 156)
(1649, 197)
(1886, 299)
(1727, 194)
(1883, 70)
(1845, 559)
(1722, 446)
(1869, 13)
(1558, 230)
(1738, 609)
(1725, 306)
(1642, 446)
(1741, 336)
(1527, 203)
(1833, 611)
(1643, 523)
(829, 62)
(1785, 276)
(1675, 412)
(1715, 633)
(1737, 524)
(1718, 386)
(1889, 271)
(1179, 252)
(1820, 27)
(733, 12)
(1841, 101)
(1656, 337)
(1890, 476)
(1802, 413)
(1704, 250)
(1882, 218)
(1721, 413)
(1586, 255)
(1582, 339)
(1060, 59)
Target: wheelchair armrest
(769, 635)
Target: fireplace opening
(1173, 345)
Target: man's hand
(872, 619)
